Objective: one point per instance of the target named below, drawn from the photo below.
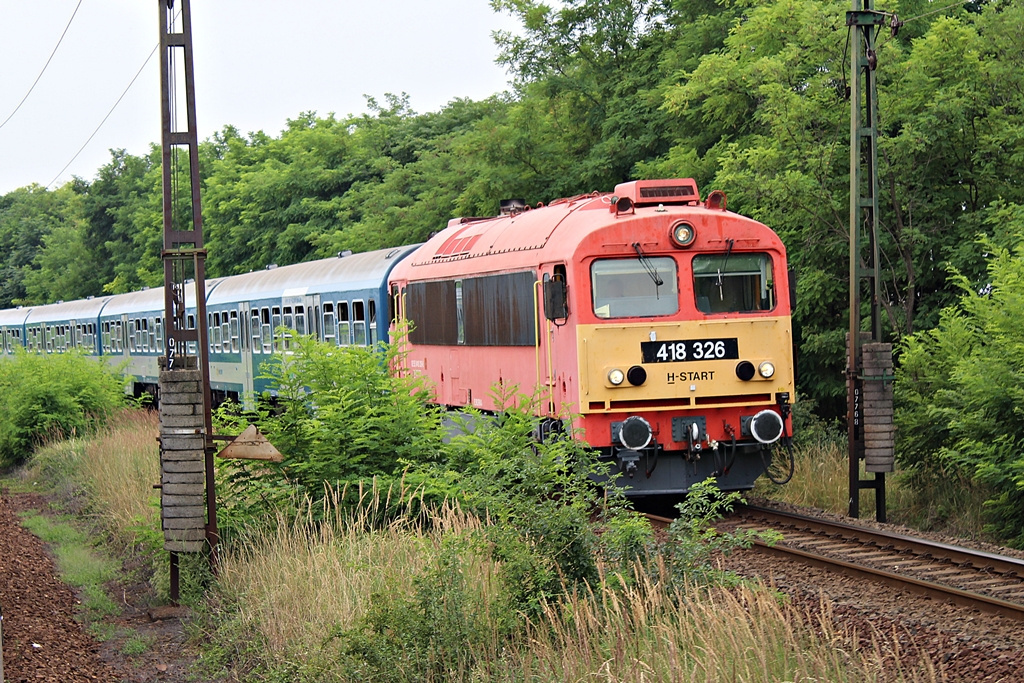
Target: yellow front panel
(690, 382)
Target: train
(652, 323)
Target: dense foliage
(747, 97)
(49, 398)
(961, 388)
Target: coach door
(245, 334)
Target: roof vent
(511, 207)
(272, 266)
(343, 254)
(651, 192)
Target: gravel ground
(42, 641)
(963, 645)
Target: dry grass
(300, 581)
(297, 584)
(645, 633)
(111, 473)
(121, 464)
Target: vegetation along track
(972, 578)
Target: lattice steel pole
(189, 428)
(863, 21)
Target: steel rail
(980, 560)
(928, 588)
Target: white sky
(258, 63)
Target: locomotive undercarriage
(761, 446)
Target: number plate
(672, 351)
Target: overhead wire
(91, 136)
(48, 60)
(111, 111)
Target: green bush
(960, 391)
(343, 423)
(53, 396)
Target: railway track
(970, 578)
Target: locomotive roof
(588, 224)
(80, 310)
(367, 270)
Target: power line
(86, 143)
(9, 116)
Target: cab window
(628, 288)
(733, 283)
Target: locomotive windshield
(626, 288)
(733, 283)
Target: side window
(255, 328)
(275, 320)
(234, 331)
(192, 348)
(330, 328)
(225, 332)
(300, 320)
(344, 335)
(358, 323)
(267, 330)
(131, 335)
(373, 322)
(159, 335)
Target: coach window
(225, 332)
(191, 347)
(300, 320)
(627, 288)
(733, 283)
(151, 328)
(159, 334)
(330, 329)
(289, 319)
(233, 331)
(275, 320)
(358, 323)
(373, 322)
(131, 335)
(344, 338)
(266, 330)
(255, 328)
(213, 325)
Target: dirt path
(42, 641)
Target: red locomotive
(657, 323)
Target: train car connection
(341, 300)
(656, 324)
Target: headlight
(616, 376)
(683, 234)
(766, 369)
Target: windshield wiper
(648, 266)
(725, 264)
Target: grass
(950, 504)
(344, 602)
(78, 562)
(326, 596)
